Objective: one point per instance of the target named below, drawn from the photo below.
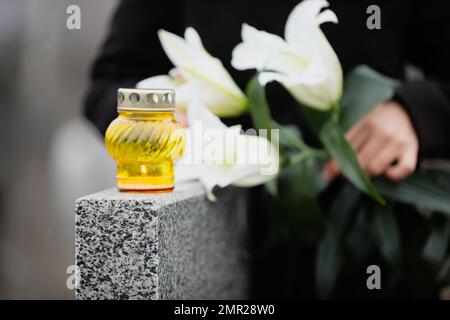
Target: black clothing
(411, 31)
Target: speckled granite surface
(161, 246)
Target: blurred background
(49, 154)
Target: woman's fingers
(331, 171)
(383, 137)
(383, 159)
(369, 152)
(358, 135)
(405, 166)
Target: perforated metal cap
(146, 100)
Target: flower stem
(336, 112)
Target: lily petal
(261, 164)
(198, 113)
(256, 49)
(308, 88)
(157, 82)
(306, 16)
(175, 48)
(303, 32)
(208, 78)
(327, 16)
(304, 63)
(193, 40)
(242, 171)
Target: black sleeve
(428, 101)
(130, 53)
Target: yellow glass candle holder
(145, 140)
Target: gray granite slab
(174, 245)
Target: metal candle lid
(146, 100)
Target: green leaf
(259, 108)
(329, 263)
(298, 205)
(357, 244)
(290, 136)
(386, 235)
(343, 211)
(436, 246)
(272, 187)
(364, 88)
(429, 189)
(336, 144)
(315, 118)
(329, 258)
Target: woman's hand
(385, 142)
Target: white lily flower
(158, 82)
(218, 155)
(199, 75)
(304, 62)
